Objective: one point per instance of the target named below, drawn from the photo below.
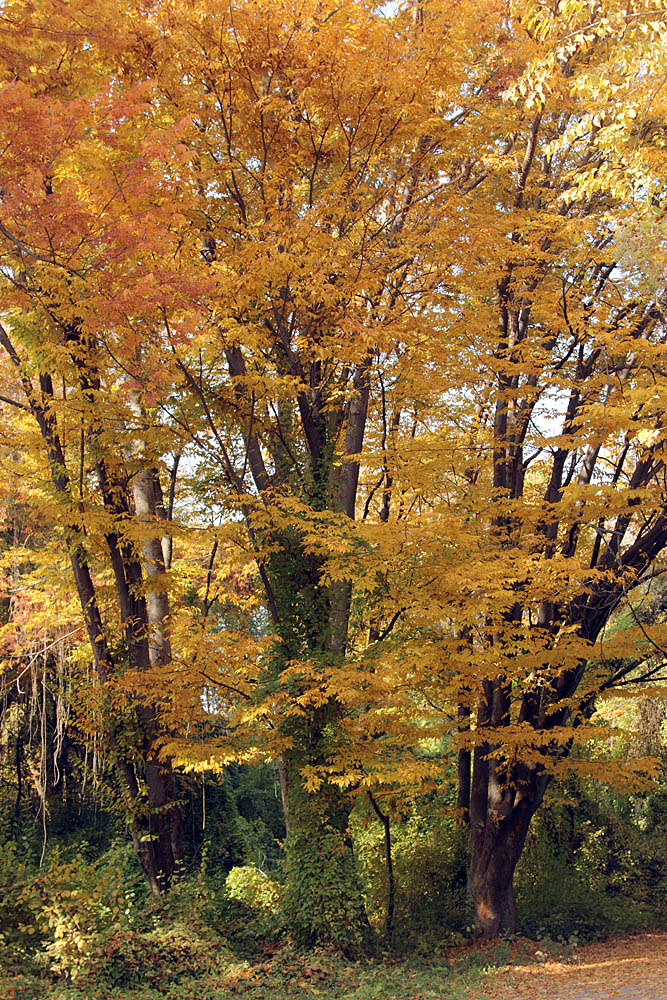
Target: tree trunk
(502, 804)
(490, 879)
(324, 902)
(165, 850)
(157, 837)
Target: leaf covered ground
(630, 968)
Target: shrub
(168, 954)
(587, 873)
(247, 912)
(254, 889)
(429, 860)
(82, 900)
(20, 905)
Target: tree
(315, 182)
(562, 473)
(65, 213)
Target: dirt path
(633, 968)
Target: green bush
(20, 905)
(589, 871)
(83, 900)
(103, 929)
(429, 860)
(52, 918)
(168, 954)
(323, 900)
(253, 888)
(247, 909)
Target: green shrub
(429, 860)
(247, 910)
(323, 898)
(168, 954)
(20, 905)
(586, 873)
(83, 900)
(253, 888)
(105, 930)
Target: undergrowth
(85, 927)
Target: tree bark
(164, 814)
(490, 885)
(160, 850)
(503, 803)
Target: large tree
(319, 173)
(546, 458)
(74, 213)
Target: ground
(632, 968)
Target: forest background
(334, 503)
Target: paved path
(633, 968)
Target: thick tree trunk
(324, 901)
(490, 878)
(157, 837)
(502, 804)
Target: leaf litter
(629, 968)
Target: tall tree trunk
(164, 814)
(324, 900)
(323, 895)
(490, 883)
(160, 848)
